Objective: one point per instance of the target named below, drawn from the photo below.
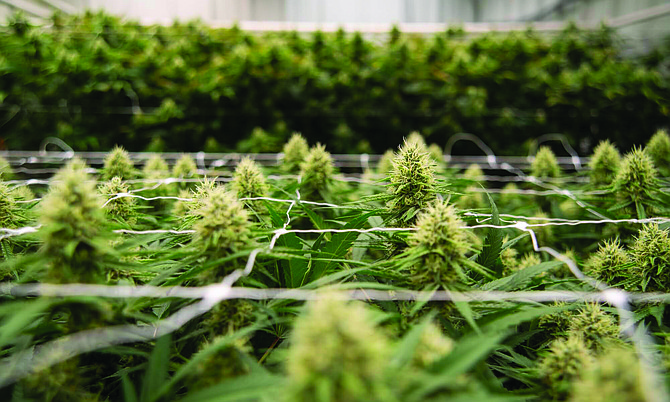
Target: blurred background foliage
(95, 80)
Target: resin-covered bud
(185, 167)
(11, 215)
(474, 173)
(436, 153)
(317, 170)
(636, 178)
(295, 151)
(510, 199)
(432, 346)
(611, 264)
(72, 218)
(651, 253)
(604, 163)
(545, 164)
(248, 180)
(412, 182)
(615, 376)
(562, 364)
(156, 168)
(224, 224)
(385, 164)
(6, 172)
(219, 366)
(596, 326)
(337, 354)
(118, 164)
(122, 208)
(658, 148)
(443, 244)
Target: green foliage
(118, 164)
(615, 376)
(295, 152)
(412, 182)
(5, 169)
(545, 164)
(611, 264)
(194, 90)
(604, 163)
(596, 326)
(636, 179)
(248, 180)
(385, 164)
(11, 215)
(331, 357)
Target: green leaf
(404, 352)
(520, 278)
(22, 317)
(248, 388)
(490, 255)
(129, 394)
(157, 371)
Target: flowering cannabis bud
(295, 151)
(651, 254)
(385, 164)
(610, 264)
(118, 163)
(545, 164)
(155, 168)
(440, 236)
(122, 208)
(185, 167)
(615, 376)
(474, 173)
(510, 198)
(596, 326)
(22, 193)
(416, 138)
(317, 169)
(636, 178)
(224, 224)
(5, 169)
(604, 163)
(432, 345)
(248, 180)
(193, 199)
(412, 180)
(11, 215)
(336, 354)
(225, 363)
(563, 364)
(658, 148)
(71, 217)
(436, 153)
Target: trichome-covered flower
(295, 151)
(337, 354)
(155, 168)
(636, 178)
(604, 163)
(224, 224)
(658, 148)
(651, 253)
(412, 182)
(442, 243)
(595, 325)
(185, 167)
(122, 208)
(545, 164)
(248, 180)
(385, 164)
(5, 169)
(317, 170)
(118, 164)
(562, 364)
(611, 264)
(432, 346)
(11, 215)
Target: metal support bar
(29, 7)
(639, 16)
(61, 5)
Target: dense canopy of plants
(97, 81)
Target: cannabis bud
(604, 163)
(545, 164)
(651, 254)
(615, 376)
(443, 244)
(155, 168)
(432, 345)
(317, 170)
(248, 180)
(295, 151)
(385, 164)
(5, 169)
(412, 182)
(71, 217)
(636, 178)
(610, 264)
(658, 148)
(185, 167)
(118, 164)
(224, 224)
(595, 324)
(336, 354)
(563, 364)
(11, 215)
(122, 208)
